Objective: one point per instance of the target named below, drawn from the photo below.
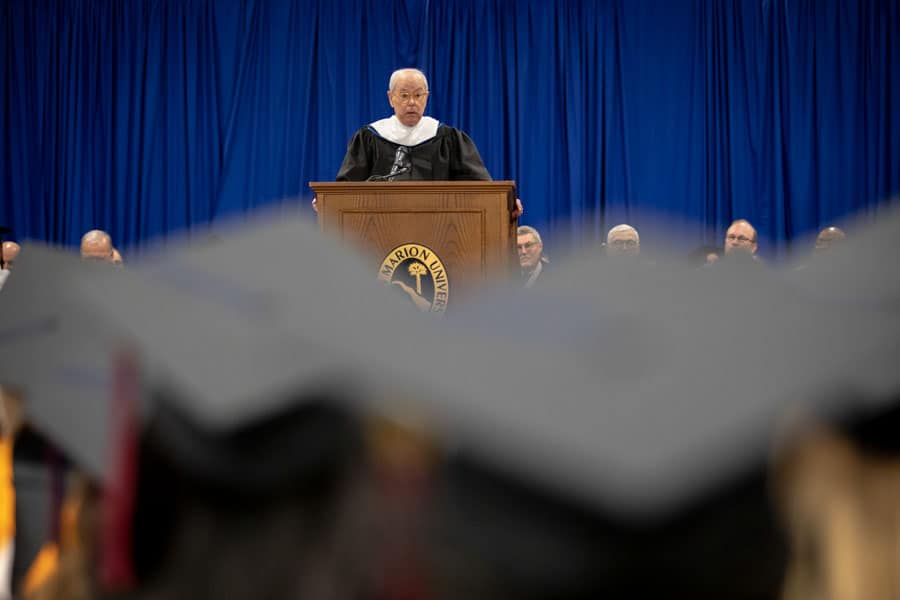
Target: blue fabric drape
(146, 117)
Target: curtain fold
(149, 117)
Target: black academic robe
(449, 155)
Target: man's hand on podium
(315, 208)
(518, 211)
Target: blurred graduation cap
(228, 334)
(263, 346)
(248, 352)
(607, 435)
(612, 434)
(55, 348)
(235, 327)
(52, 351)
(858, 271)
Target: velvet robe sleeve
(359, 159)
(465, 162)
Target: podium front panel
(464, 225)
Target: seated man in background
(97, 245)
(741, 237)
(9, 251)
(829, 238)
(623, 240)
(8, 255)
(531, 255)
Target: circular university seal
(418, 271)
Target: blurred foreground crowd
(253, 416)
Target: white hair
(623, 228)
(404, 72)
(525, 230)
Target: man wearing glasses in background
(741, 237)
(623, 240)
(531, 255)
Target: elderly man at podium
(411, 146)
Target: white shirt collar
(393, 130)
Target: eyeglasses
(741, 239)
(526, 246)
(418, 97)
(624, 243)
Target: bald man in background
(9, 251)
(828, 238)
(97, 245)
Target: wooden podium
(460, 232)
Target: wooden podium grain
(466, 223)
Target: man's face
(95, 250)
(408, 98)
(623, 243)
(740, 237)
(529, 251)
(10, 253)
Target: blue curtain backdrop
(147, 117)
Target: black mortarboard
(247, 361)
(263, 348)
(49, 351)
(234, 329)
(612, 435)
(608, 435)
(56, 348)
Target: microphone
(402, 164)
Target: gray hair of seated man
(525, 230)
(624, 227)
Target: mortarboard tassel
(117, 568)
